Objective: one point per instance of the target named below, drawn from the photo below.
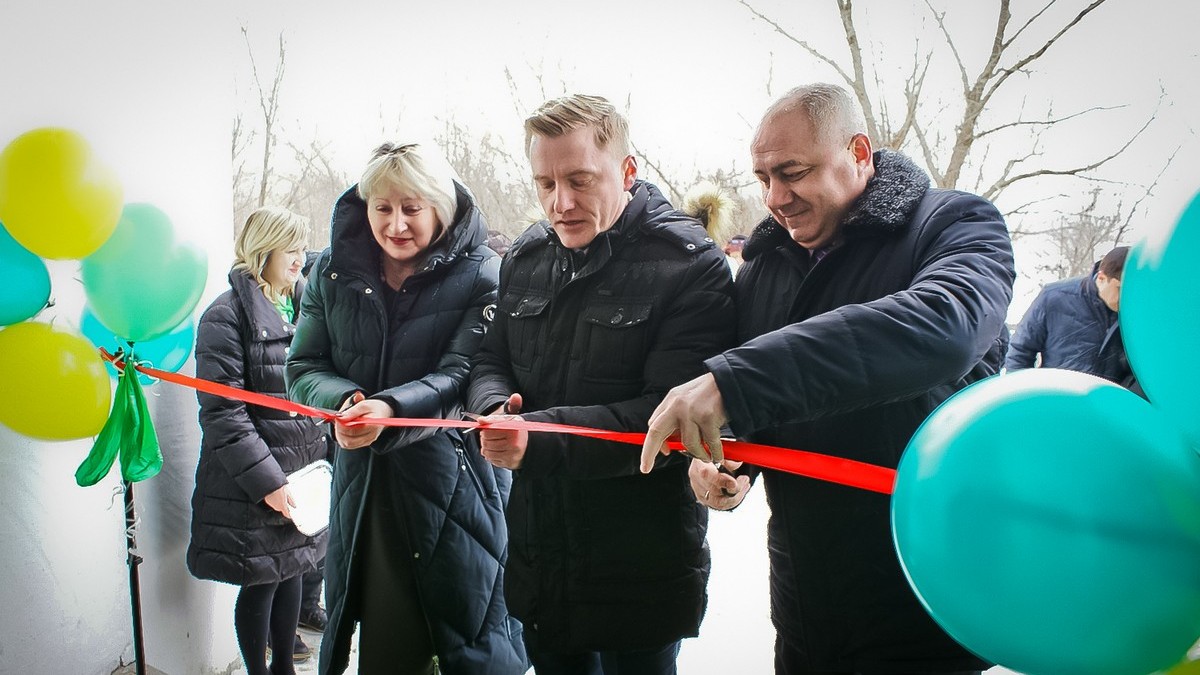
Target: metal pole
(135, 592)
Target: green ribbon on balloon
(128, 432)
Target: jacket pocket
(617, 340)
(526, 316)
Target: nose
(564, 200)
(397, 223)
(776, 195)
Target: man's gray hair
(833, 111)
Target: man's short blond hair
(561, 116)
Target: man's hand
(717, 489)
(696, 411)
(504, 448)
(356, 407)
(281, 500)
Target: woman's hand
(359, 436)
(281, 500)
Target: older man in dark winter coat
(603, 307)
(866, 299)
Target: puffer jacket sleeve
(698, 323)
(228, 430)
(491, 380)
(1030, 338)
(439, 394)
(886, 350)
(309, 373)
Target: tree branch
(801, 43)
(1046, 122)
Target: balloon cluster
(1050, 520)
(59, 201)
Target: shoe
(300, 651)
(314, 619)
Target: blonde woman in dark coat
(242, 531)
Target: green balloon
(1050, 522)
(143, 281)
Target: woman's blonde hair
(268, 229)
(407, 169)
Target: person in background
(1072, 324)
(395, 309)
(733, 252)
(867, 298)
(604, 305)
(711, 204)
(241, 532)
(498, 242)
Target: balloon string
(800, 462)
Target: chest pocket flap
(617, 315)
(524, 306)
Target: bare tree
(498, 179)
(1080, 238)
(948, 151)
(314, 187)
(268, 103)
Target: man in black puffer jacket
(866, 299)
(604, 307)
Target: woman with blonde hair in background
(242, 531)
(395, 310)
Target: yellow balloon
(56, 198)
(1185, 667)
(55, 386)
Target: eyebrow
(573, 174)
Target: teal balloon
(167, 352)
(1050, 522)
(24, 281)
(143, 281)
(1160, 318)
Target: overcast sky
(154, 85)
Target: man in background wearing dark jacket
(866, 299)
(603, 307)
(1072, 324)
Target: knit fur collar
(884, 207)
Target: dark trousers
(789, 661)
(310, 597)
(393, 637)
(657, 661)
(267, 611)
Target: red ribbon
(800, 462)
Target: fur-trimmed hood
(885, 206)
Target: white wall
(147, 84)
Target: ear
(628, 171)
(860, 148)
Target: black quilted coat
(247, 450)
(603, 557)
(847, 357)
(418, 361)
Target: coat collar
(263, 320)
(647, 207)
(353, 248)
(885, 206)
